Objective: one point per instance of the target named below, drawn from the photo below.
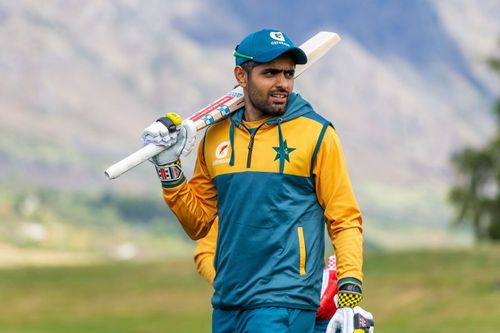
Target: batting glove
(329, 288)
(349, 320)
(164, 131)
(179, 137)
(350, 317)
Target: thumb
(190, 132)
(181, 141)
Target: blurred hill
(406, 87)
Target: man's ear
(241, 76)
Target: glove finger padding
(157, 133)
(179, 138)
(342, 321)
(173, 152)
(349, 320)
(170, 131)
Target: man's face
(269, 86)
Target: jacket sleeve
(335, 195)
(194, 202)
(204, 253)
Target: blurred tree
(476, 194)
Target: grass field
(438, 291)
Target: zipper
(250, 143)
(302, 251)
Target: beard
(260, 101)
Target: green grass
(435, 291)
(431, 291)
(156, 297)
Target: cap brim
(297, 54)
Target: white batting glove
(349, 320)
(163, 131)
(179, 137)
(170, 131)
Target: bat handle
(133, 160)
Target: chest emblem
(221, 153)
(283, 151)
(222, 149)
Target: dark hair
(249, 65)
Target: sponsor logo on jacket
(221, 153)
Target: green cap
(267, 45)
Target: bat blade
(315, 48)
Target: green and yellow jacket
(274, 185)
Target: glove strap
(171, 175)
(170, 121)
(349, 295)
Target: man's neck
(252, 114)
(251, 117)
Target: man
(274, 173)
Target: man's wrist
(349, 280)
(350, 293)
(170, 174)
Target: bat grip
(133, 160)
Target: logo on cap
(276, 35)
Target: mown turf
(154, 297)
(432, 291)
(445, 291)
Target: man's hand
(179, 137)
(170, 131)
(350, 317)
(329, 288)
(351, 320)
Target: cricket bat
(315, 48)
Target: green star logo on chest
(283, 150)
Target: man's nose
(283, 81)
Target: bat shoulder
(221, 126)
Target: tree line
(476, 192)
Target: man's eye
(290, 73)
